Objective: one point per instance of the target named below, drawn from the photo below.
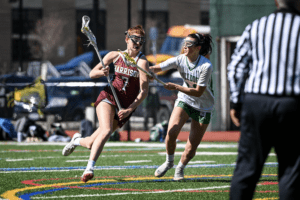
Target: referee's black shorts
(266, 122)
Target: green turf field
(123, 171)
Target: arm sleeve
(238, 68)
(205, 75)
(171, 63)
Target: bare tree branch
(47, 36)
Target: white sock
(90, 164)
(180, 165)
(77, 141)
(170, 158)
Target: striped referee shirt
(266, 59)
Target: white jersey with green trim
(193, 74)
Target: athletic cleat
(179, 175)
(70, 147)
(87, 175)
(161, 170)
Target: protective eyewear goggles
(189, 43)
(136, 39)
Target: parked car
(68, 89)
(172, 44)
(81, 64)
(67, 99)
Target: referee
(264, 78)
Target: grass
(124, 171)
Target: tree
(47, 36)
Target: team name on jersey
(126, 71)
(191, 77)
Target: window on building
(99, 33)
(29, 19)
(204, 18)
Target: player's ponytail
(203, 40)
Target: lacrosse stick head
(128, 60)
(85, 29)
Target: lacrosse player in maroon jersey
(131, 87)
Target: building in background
(63, 18)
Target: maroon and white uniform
(126, 83)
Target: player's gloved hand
(122, 114)
(152, 75)
(105, 70)
(170, 86)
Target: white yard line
(211, 153)
(61, 157)
(131, 193)
(51, 169)
(21, 159)
(76, 160)
(199, 161)
(127, 155)
(126, 144)
(137, 161)
(62, 170)
(144, 155)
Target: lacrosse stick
(131, 61)
(85, 29)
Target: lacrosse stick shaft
(92, 39)
(158, 80)
(132, 62)
(109, 81)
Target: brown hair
(290, 4)
(137, 29)
(203, 40)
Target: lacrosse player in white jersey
(195, 99)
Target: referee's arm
(238, 70)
